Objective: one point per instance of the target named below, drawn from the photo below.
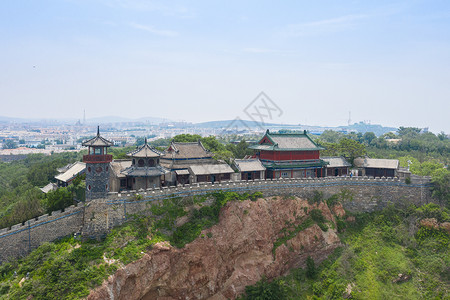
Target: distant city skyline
(387, 62)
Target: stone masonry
(97, 217)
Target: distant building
(337, 166)
(292, 155)
(374, 167)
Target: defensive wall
(98, 216)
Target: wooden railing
(92, 158)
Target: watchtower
(97, 166)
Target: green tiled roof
(287, 142)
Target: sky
(386, 62)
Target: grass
(69, 268)
(379, 246)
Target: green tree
(351, 149)
(58, 199)
(441, 186)
(311, 271)
(368, 137)
(9, 144)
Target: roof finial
(146, 140)
(98, 130)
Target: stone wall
(19, 240)
(361, 195)
(98, 216)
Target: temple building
(178, 157)
(97, 166)
(249, 169)
(337, 166)
(293, 155)
(145, 170)
(374, 167)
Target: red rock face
(237, 254)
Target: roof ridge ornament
(98, 130)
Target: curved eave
(285, 149)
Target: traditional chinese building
(337, 166)
(145, 170)
(178, 157)
(97, 166)
(293, 155)
(249, 169)
(374, 167)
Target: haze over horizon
(387, 62)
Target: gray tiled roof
(186, 151)
(210, 169)
(248, 165)
(365, 162)
(72, 172)
(145, 171)
(336, 162)
(98, 141)
(145, 151)
(118, 165)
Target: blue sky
(385, 61)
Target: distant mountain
(234, 123)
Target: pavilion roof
(145, 151)
(97, 141)
(286, 142)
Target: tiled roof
(249, 165)
(207, 169)
(336, 162)
(72, 172)
(365, 162)
(186, 151)
(286, 142)
(98, 141)
(145, 171)
(118, 165)
(145, 151)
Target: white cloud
(151, 29)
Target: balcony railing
(92, 158)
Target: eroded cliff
(230, 255)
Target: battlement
(368, 194)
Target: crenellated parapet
(97, 217)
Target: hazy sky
(385, 61)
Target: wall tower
(97, 166)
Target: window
(97, 151)
(151, 162)
(284, 175)
(140, 162)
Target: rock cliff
(228, 256)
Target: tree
(368, 137)
(311, 271)
(351, 149)
(441, 186)
(187, 138)
(9, 144)
(58, 199)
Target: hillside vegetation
(387, 255)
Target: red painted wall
(289, 155)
